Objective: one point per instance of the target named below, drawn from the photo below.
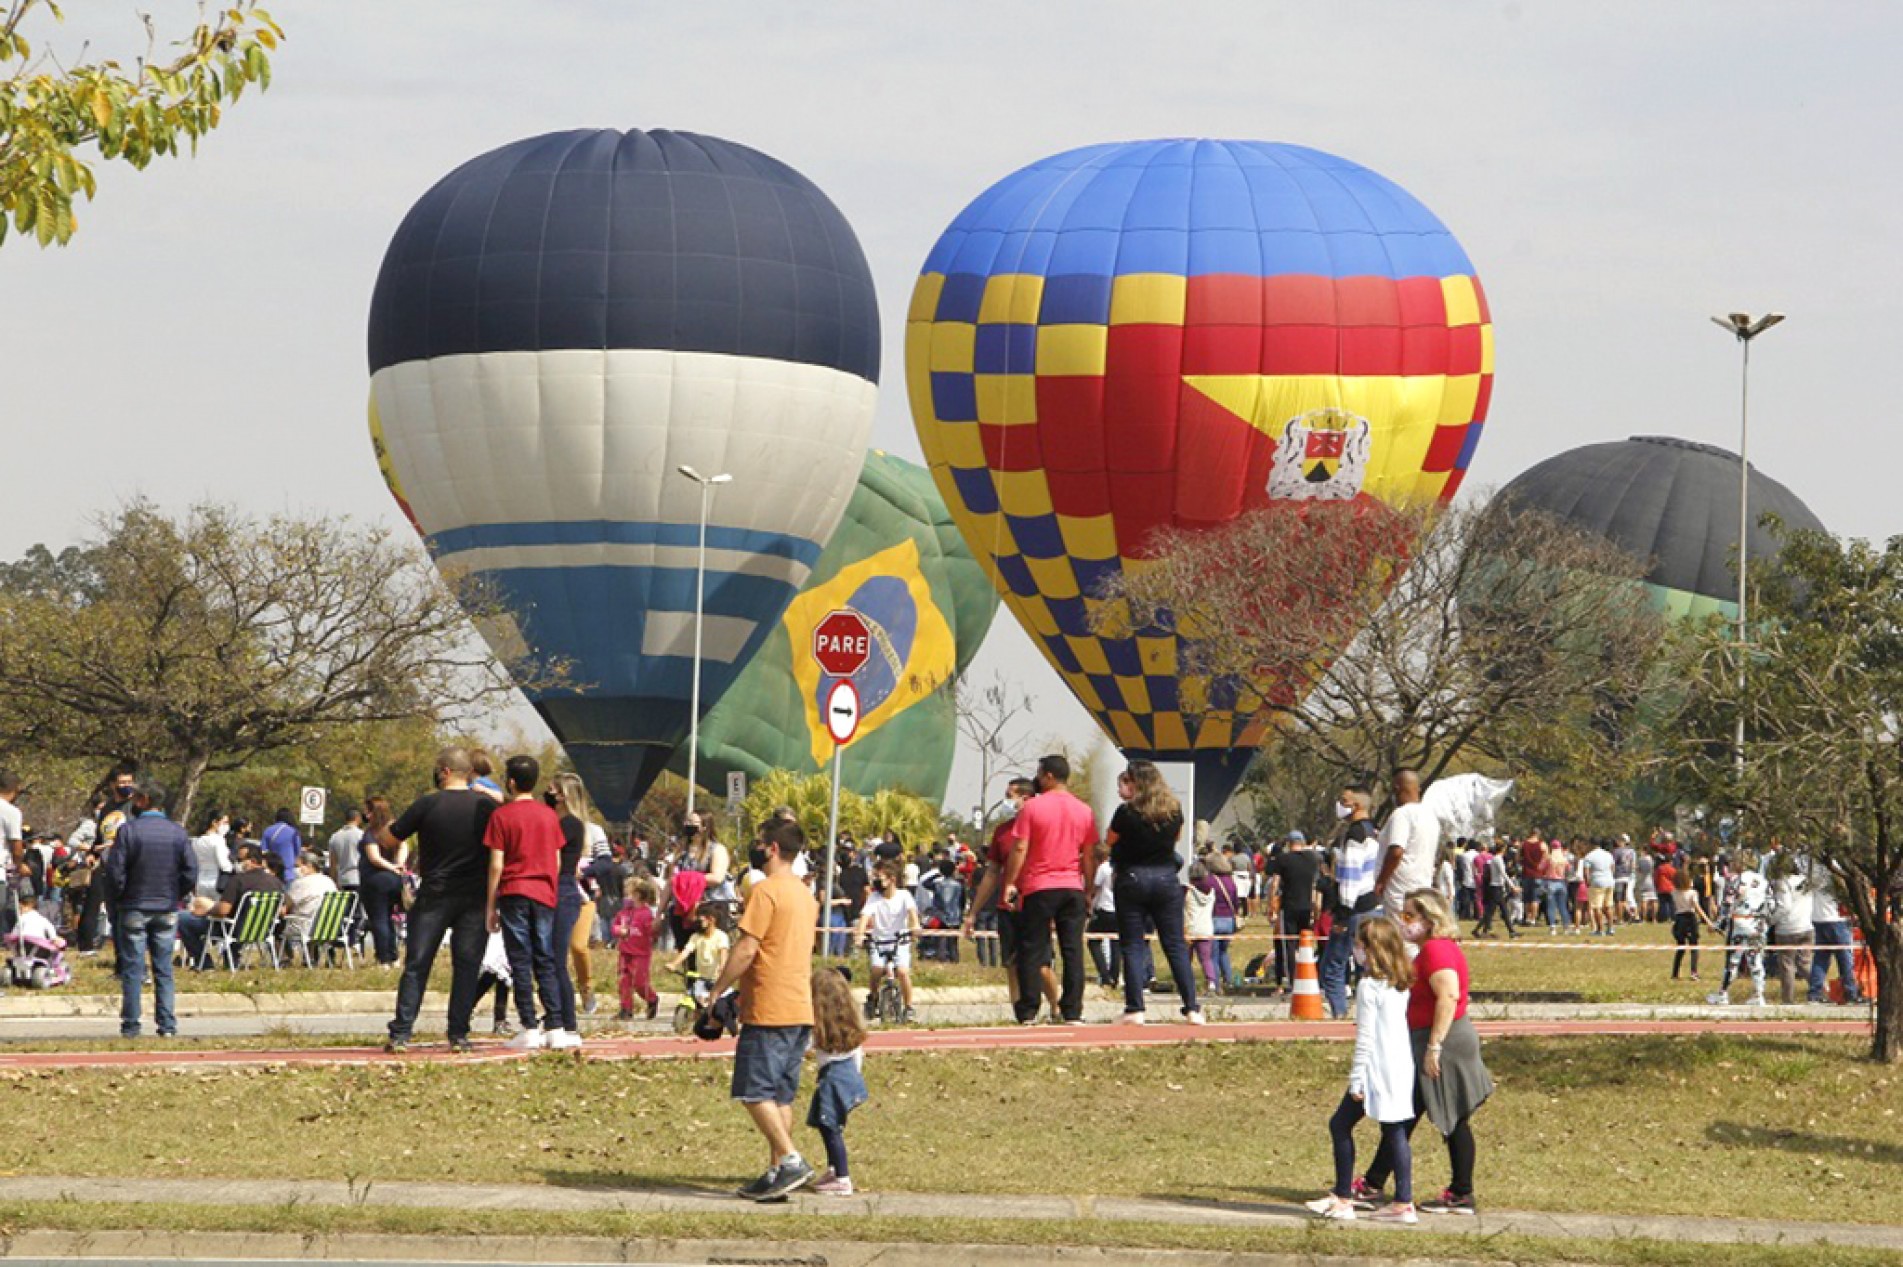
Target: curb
(289, 1247)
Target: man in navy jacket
(151, 869)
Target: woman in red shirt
(1451, 1081)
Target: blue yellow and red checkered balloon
(1171, 333)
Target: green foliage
(810, 797)
(1819, 687)
(203, 644)
(50, 110)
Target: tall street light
(1742, 326)
(707, 484)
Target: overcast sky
(1617, 172)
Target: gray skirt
(1464, 1083)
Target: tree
(1821, 697)
(986, 715)
(203, 643)
(51, 109)
(1375, 639)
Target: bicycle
(693, 998)
(887, 1003)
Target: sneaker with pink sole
(834, 1186)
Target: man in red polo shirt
(1050, 840)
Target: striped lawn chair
(329, 928)
(253, 925)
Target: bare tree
(986, 717)
(201, 643)
(1375, 638)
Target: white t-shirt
(1105, 883)
(911, 875)
(888, 915)
(1415, 830)
(1599, 869)
(36, 926)
(597, 837)
(12, 828)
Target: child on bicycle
(707, 948)
(839, 1048)
(633, 934)
(890, 922)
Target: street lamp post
(707, 484)
(1744, 329)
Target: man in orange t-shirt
(772, 964)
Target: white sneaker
(1757, 1000)
(1718, 998)
(1195, 1018)
(530, 1039)
(1135, 1018)
(563, 1040)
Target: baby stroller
(36, 964)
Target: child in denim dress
(839, 1038)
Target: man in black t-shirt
(1292, 877)
(452, 896)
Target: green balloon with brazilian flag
(900, 562)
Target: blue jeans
(1553, 896)
(1225, 927)
(1153, 895)
(1835, 933)
(141, 933)
(1395, 1147)
(987, 922)
(836, 943)
(462, 916)
(528, 934)
(568, 906)
(192, 932)
(1337, 955)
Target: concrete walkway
(158, 1053)
(279, 1193)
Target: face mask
(1361, 957)
(1414, 930)
(1343, 811)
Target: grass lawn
(1707, 1126)
(1583, 967)
(1317, 1243)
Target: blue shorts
(766, 1064)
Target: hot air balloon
(1172, 333)
(1674, 502)
(898, 560)
(558, 326)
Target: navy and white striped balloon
(561, 323)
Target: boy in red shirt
(525, 838)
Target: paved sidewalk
(186, 1054)
(279, 1193)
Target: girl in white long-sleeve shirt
(1381, 1079)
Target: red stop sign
(842, 643)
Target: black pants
(1496, 905)
(1105, 954)
(1685, 933)
(1394, 1145)
(92, 909)
(1460, 1156)
(1152, 896)
(435, 914)
(1064, 910)
(1289, 924)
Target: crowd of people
(511, 872)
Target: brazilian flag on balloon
(899, 561)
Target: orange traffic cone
(1306, 1003)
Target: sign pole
(842, 643)
(832, 855)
